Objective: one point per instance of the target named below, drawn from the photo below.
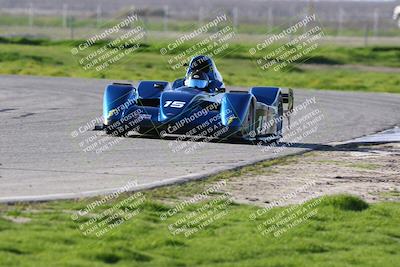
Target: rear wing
(288, 99)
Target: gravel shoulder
(371, 172)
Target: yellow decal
(112, 112)
(231, 119)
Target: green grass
(53, 58)
(155, 22)
(345, 231)
(366, 166)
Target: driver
(198, 80)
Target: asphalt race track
(41, 158)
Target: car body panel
(161, 107)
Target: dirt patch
(19, 220)
(370, 172)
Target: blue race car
(196, 106)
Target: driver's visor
(197, 83)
